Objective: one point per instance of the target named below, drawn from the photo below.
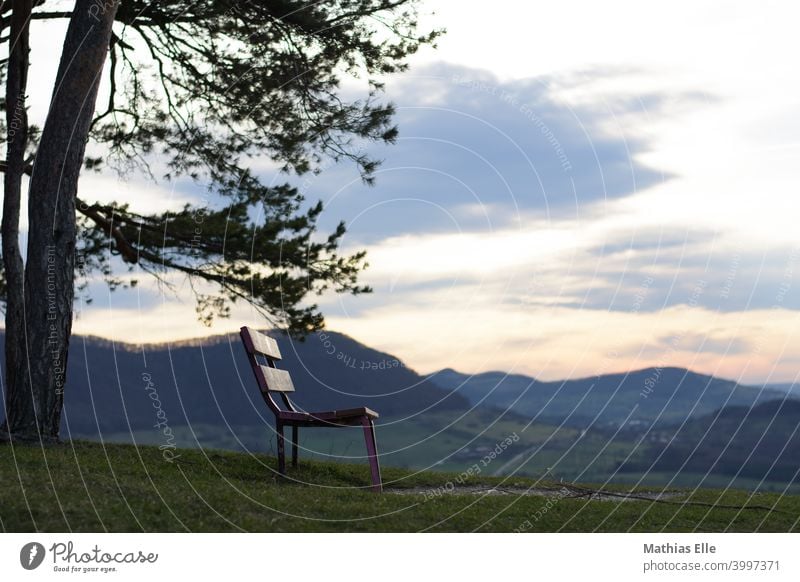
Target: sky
(578, 188)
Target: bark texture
(17, 124)
(38, 393)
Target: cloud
(704, 269)
(551, 343)
(522, 224)
(709, 343)
(477, 153)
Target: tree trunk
(17, 125)
(50, 262)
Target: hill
(793, 389)
(204, 393)
(643, 397)
(759, 443)
(87, 487)
(114, 387)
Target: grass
(445, 441)
(82, 486)
(449, 441)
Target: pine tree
(200, 90)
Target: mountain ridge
(112, 386)
(651, 395)
(207, 380)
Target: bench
(272, 380)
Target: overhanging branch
(126, 250)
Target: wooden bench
(272, 380)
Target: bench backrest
(269, 378)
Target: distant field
(82, 486)
(454, 442)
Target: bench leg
(294, 445)
(281, 449)
(372, 453)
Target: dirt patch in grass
(564, 492)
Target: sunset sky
(578, 188)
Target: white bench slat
(263, 344)
(277, 380)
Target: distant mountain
(643, 397)
(793, 389)
(758, 443)
(115, 387)
(205, 392)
